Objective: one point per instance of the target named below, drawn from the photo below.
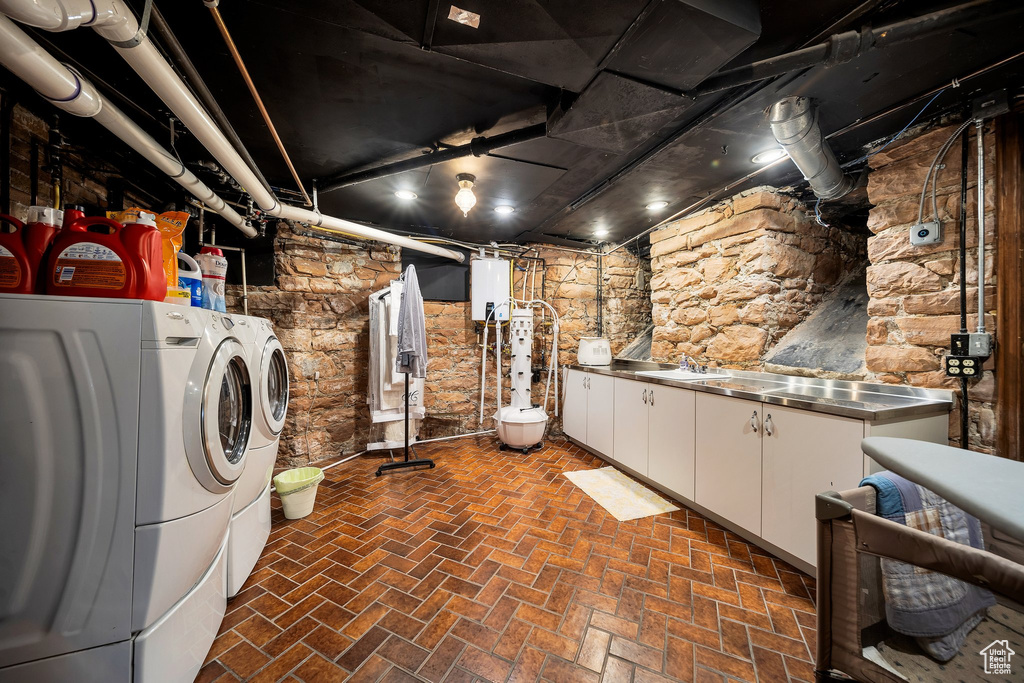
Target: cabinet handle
(586, 382)
(768, 429)
(652, 397)
(753, 421)
(645, 397)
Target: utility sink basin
(680, 375)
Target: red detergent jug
(91, 263)
(40, 231)
(16, 274)
(144, 243)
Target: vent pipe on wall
(794, 123)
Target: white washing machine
(250, 520)
(125, 425)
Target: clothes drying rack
(406, 462)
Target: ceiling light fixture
(464, 198)
(406, 194)
(504, 209)
(768, 156)
(600, 232)
(656, 206)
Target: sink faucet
(687, 363)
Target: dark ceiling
(353, 84)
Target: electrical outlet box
(990, 105)
(926, 233)
(981, 344)
(964, 366)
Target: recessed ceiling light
(656, 206)
(768, 156)
(504, 209)
(405, 194)
(600, 232)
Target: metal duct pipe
(113, 20)
(476, 147)
(794, 123)
(67, 90)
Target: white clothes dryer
(125, 427)
(250, 521)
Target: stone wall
(729, 282)
(85, 174)
(914, 291)
(320, 311)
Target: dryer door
(225, 418)
(274, 386)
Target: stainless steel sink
(679, 375)
(756, 386)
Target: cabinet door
(804, 454)
(600, 414)
(670, 448)
(631, 404)
(727, 479)
(574, 407)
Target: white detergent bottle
(190, 277)
(215, 268)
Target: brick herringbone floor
(495, 567)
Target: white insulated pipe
(114, 21)
(68, 90)
(981, 225)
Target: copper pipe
(256, 96)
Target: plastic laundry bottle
(215, 268)
(41, 229)
(146, 246)
(190, 277)
(16, 274)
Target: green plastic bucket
(297, 488)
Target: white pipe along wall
(114, 21)
(69, 91)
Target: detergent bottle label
(10, 270)
(87, 264)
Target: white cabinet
(802, 455)
(728, 459)
(574, 407)
(654, 433)
(588, 410)
(670, 446)
(600, 414)
(631, 423)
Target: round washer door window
(274, 390)
(227, 412)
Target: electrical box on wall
(926, 233)
(490, 286)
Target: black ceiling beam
(842, 47)
(476, 147)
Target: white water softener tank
(490, 288)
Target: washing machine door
(274, 386)
(219, 417)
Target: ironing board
(987, 486)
